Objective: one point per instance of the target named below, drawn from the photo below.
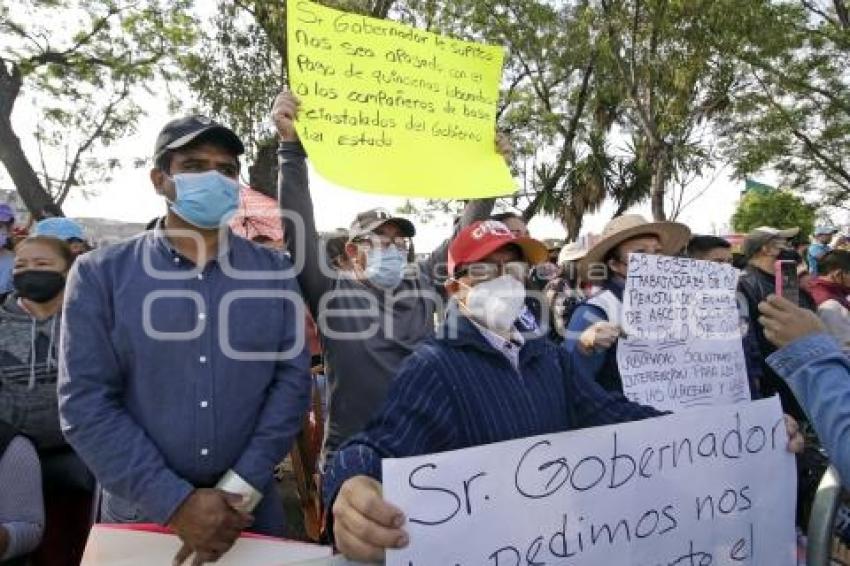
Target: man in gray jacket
(374, 315)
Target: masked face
(496, 303)
(206, 200)
(787, 254)
(385, 267)
(39, 286)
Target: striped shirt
(458, 391)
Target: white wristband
(232, 482)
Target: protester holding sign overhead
(596, 324)
(182, 364)
(479, 381)
(388, 307)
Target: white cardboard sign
(682, 344)
(111, 546)
(709, 486)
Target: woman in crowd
(29, 338)
(567, 290)
(29, 341)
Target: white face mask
(497, 303)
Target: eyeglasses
(482, 272)
(400, 243)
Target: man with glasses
(372, 315)
(480, 380)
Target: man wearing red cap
(478, 381)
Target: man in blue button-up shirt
(182, 359)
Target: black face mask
(38, 285)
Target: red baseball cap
(480, 239)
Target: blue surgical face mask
(205, 200)
(385, 267)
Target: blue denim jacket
(158, 390)
(819, 375)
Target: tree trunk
(26, 181)
(842, 12)
(12, 155)
(533, 207)
(660, 172)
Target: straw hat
(672, 235)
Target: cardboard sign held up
(689, 488)
(112, 545)
(391, 109)
(683, 346)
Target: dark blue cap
(183, 131)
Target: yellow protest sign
(391, 109)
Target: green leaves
(779, 208)
(603, 99)
(83, 62)
(791, 111)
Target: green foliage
(239, 66)
(83, 63)
(779, 209)
(626, 100)
(792, 104)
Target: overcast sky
(130, 196)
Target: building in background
(104, 231)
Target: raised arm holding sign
(375, 312)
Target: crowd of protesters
(165, 378)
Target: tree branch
(565, 152)
(69, 180)
(784, 78)
(647, 121)
(824, 160)
(47, 181)
(10, 86)
(508, 92)
(98, 26)
(843, 13)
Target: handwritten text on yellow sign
(392, 109)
